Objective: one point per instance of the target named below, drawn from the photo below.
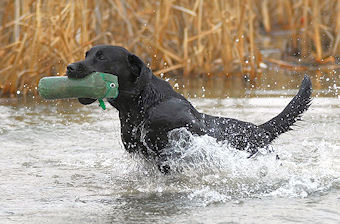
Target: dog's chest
(133, 136)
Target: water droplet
(263, 65)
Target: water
(64, 163)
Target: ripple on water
(53, 159)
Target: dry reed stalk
(305, 22)
(16, 16)
(40, 37)
(226, 38)
(281, 12)
(292, 23)
(251, 18)
(169, 69)
(336, 47)
(185, 52)
(265, 13)
(199, 47)
(316, 28)
(241, 9)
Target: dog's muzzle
(77, 70)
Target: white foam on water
(208, 171)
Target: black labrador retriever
(149, 108)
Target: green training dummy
(97, 85)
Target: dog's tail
(293, 111)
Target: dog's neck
(134, 105)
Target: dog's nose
(71, 67)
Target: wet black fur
(149, 108)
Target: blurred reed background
(186, 37)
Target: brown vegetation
(40, 37)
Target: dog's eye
(100, 56)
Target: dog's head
(132, 73)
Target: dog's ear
(135, 65)
(142, 73)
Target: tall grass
(40, 37)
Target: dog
(149, 108)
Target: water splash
(209, 171)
